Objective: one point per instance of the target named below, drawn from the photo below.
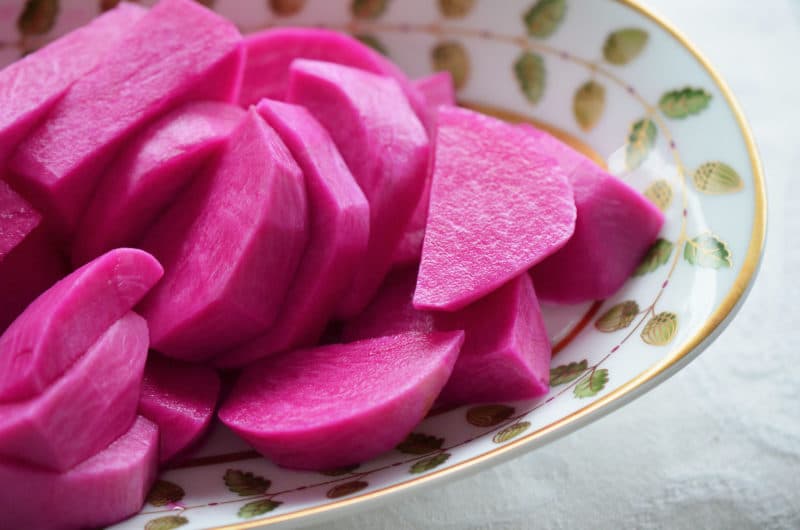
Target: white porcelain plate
(613, 78)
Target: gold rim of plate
(635, 387)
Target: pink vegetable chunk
(179, 51)
(84, 410)
(506, 352)
(615, 227)
(180, 398)
(338, 235)
(437, 89)
(270, 53)
(341, 404)
(61, 325)
(385, 147)
(29, 262)
(230, 247)
(148, 174)
(31, 86)
(498, 206)
(106, 488)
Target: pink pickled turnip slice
(148, 174)
(60, 325)
(437, 89)
(180, 398)
(269, 53)
(106, 488)
(84, 410)
(498, 206)
(340, 404)
(385, 147)
(506, 352)
(29, 262)
(31, 86)
(179, 51)
(615, 227)
(338, 235)
(230, 246)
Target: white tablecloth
(718, 445)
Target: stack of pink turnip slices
(71, 368)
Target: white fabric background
(718, 445)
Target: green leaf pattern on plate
(368, 9)
(661, 329)
(656, 256)
(717, 178)
(453, 57)
(426, 464)
(567, 373)
(660, 194)
(418, 443)
(511, 432)
(245, 483)
(530, 73)
(489, 415)
(256, 508)
(38, 17)
(641, 139)
(544, 17)
(456, 8)
(591, 384)
(164, 492)
(624, 45)
(618, 317)
(588, 104)
(708, 250)
(373, 42)
(348, 488)
(684, 102)
(286, 8)
(167, 522)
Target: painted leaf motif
(286, 8)
(426, 464)
(660, 194)
(105, 5)
(641, 139)
(256, 508)
(418, 443)
(166, 523)
(707, 250)
(530, 73)
(348, 488)
(453, 57)
(368, 8)
(544, 17)
(717, 178)
(456, 8)
(339, 471)
(656, 256)
(684, 102)
(245, 483)
(624, 45)
(489, 415)
(618, 317)
(592, 384)
(588, 104)
(660, 329)
(567, 372)
(164, 492)
(38, 17)
(512, 431)
(372, 42)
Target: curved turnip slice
(506, 352)
(148, 174)
(385, 147)
(268, 55)
(106, 488)
(29, 261)
(498, 206)
(84, 410)
(340, 404)
(230, 246)
(150, 71)
(338, 234)
(615, 227)
(31, 86)
(437, 89)
(60, 325)
(180, 398)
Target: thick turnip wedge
(85, 409)
(615, 227)
(385, 147)
(29, 262)
(106, 488)
(269, 53)
(338, 235)
(506, 352)
(31, 86)
(180, 398)
(149, 173)
(178, 51)
(230, 246)
(498, 206)
(340, 404)
(61, 325)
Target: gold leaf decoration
(641, 139)
(38, 17)
(717, 178)
(452, 57)
(510, 432)
(592, 384)
(684, 102)
(258, 507)
(489, 415)
(588, 104)
(286, 8)
(164, 492)
(456, 8)
(426, 464)
(530, 73)
(660, 194)
(618, 317)
(566, 373)
(348, 488)
(708, 250)
(624, 45)
(657, 255)
(368, 8)
(168, 522)
(660, 329)
(544, 17)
